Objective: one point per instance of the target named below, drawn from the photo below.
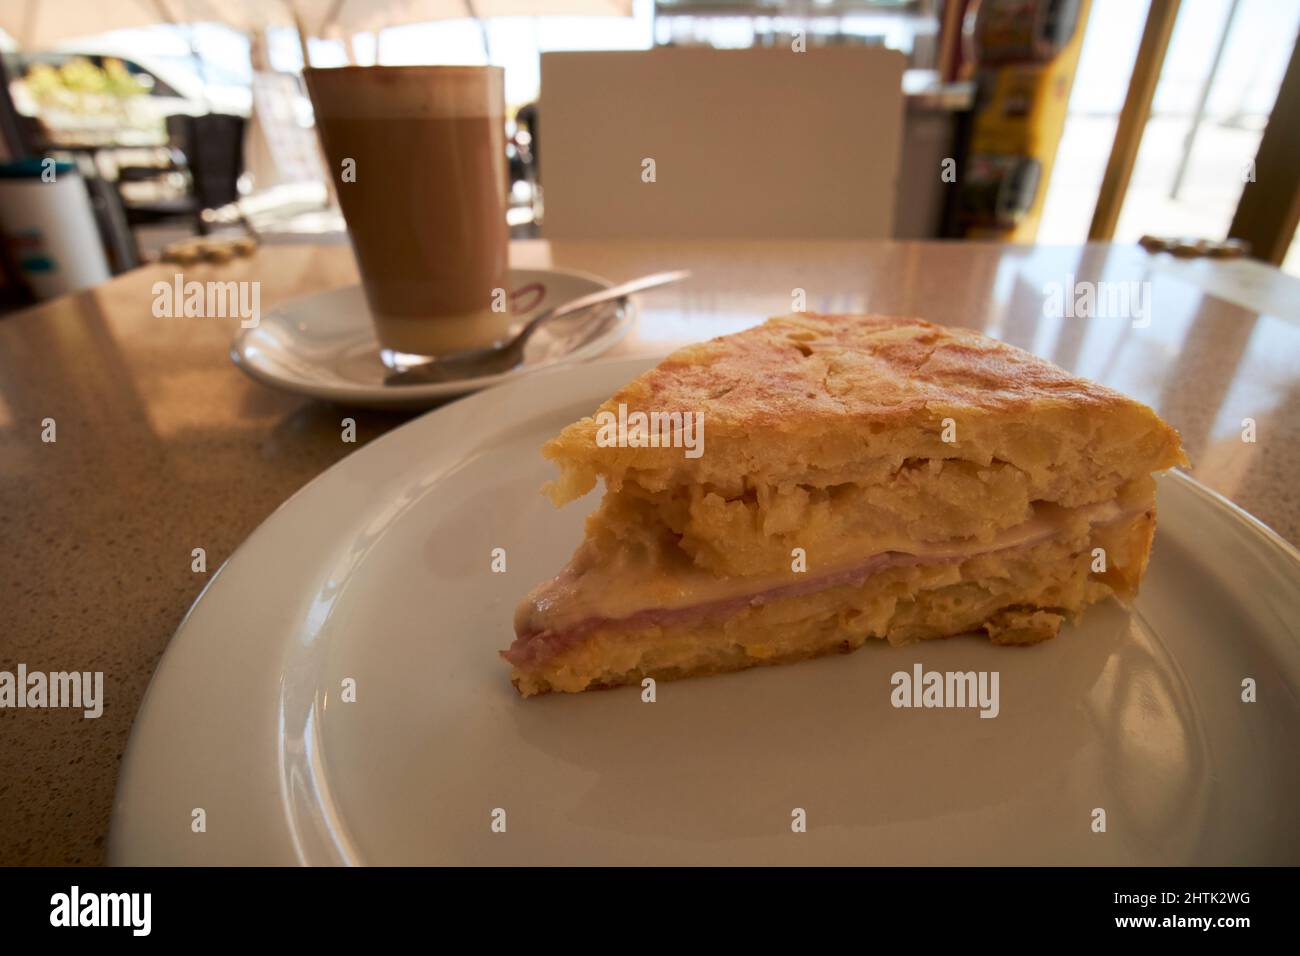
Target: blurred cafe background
(1070, 120)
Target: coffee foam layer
(425, 92)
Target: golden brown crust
(836, 390)
(1022, 626)
(882, 369)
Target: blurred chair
(209, 148)
(760, 143)
(213, 144)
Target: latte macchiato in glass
(417, 156)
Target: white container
(49, 228)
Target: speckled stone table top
(163, 446)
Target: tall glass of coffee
(417, 155)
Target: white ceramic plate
(378, 571)
(324, 345)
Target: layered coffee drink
(417, 156)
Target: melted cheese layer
(638, 591)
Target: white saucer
(379, 572)
(324, 345)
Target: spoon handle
(502, 358)
(595, 298)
